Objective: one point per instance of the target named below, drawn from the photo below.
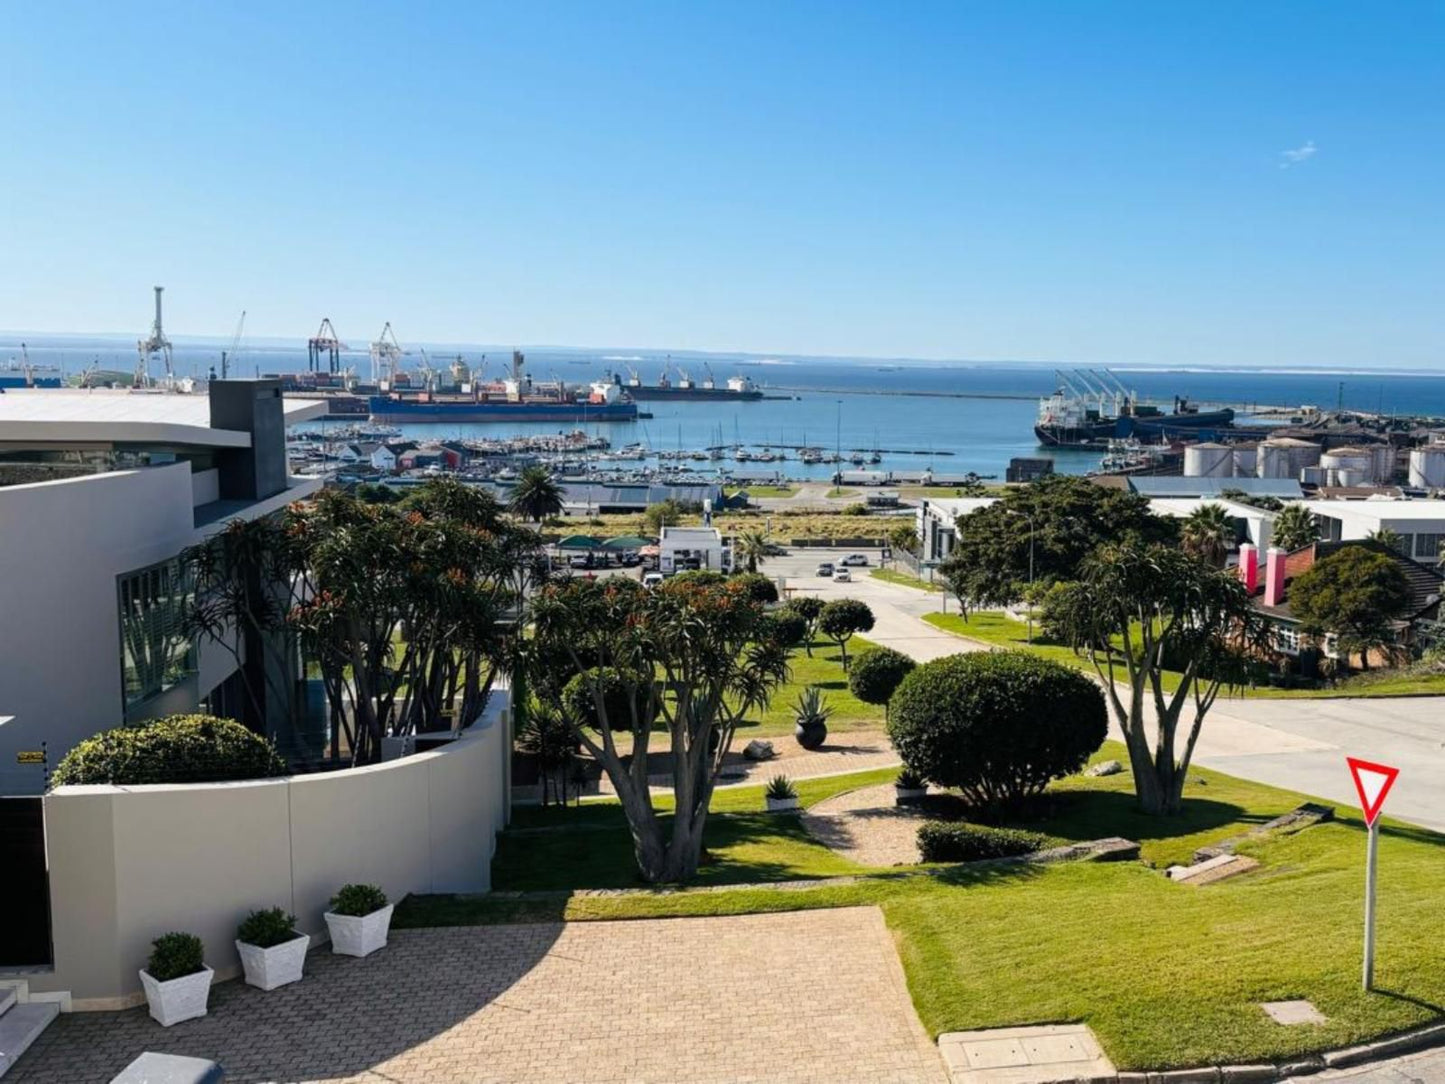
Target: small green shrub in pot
(176, 980)
(780, 786)
(175, 955)
(960, 841)
(357, 899)
(268, 928)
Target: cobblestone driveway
(809, 996)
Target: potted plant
(909, 788)
(780, 794)
(811, 716)
(272, 952)
(176, 979)
(358, 920)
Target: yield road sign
(1373, 783)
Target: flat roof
(1373, 509)
(1167, 485)
(104, 415)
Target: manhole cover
(1293, 1013)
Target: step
(20, 1026)
(7, 998)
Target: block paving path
(808, 997)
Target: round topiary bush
(176, 749)
(758, 586)
(876, 674)
(996, 725)
(578, 701)
(786, 627)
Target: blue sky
(1095, 182)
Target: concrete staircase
(23, 1018)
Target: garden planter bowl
(811, 735)
(782, 805)
(268, 968)
(359, 935)
(178, 999)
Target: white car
(856, 559)
(652, 579)
(842, 576)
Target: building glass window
(1286, 639)
(155, 652)
(1427, 546)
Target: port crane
(228, 356)
(148, 348)
(708, 381)
(324, 343)
(386, 355)
(26, 367)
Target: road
(1296, 744)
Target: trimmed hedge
(176, 749)
(876, 674)
(960, 841)
(998, 726)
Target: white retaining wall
(130, 863)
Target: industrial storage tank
(1386, 463)
(1245, 456)
(1208, 460)
(1285, 457)
(1427, 466)
(1355, 464)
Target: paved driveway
(808, 997)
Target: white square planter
(359, 935)
(909, 795)
(782, 805)
(179, 999)
(278, 965)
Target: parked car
(631, 560)
(842, 576)
(826, 568)
(856, 559)
(652, 579)
(581, 560)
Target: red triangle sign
(1373, 783)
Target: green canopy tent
(624, 543)
(579, 542)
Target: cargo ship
(515, 399)
(1090, 414)
(684, 387)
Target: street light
(1029, 602)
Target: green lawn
(1167, 975)
(902, 579)
(763, 491)
(825, 670)
(1000, 630)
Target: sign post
(1372, 783)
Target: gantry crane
(228, 356)
(386, 355)
(148, 348)
(324, 343)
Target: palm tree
(536, 495)
(1295, 528)
(1387, 537)
(752, 546)
(1207, 534)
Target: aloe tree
(1207, 534)
(1295, 528)
(696, 656)
(536, 496)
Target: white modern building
(681, 549)
(1419, 523)
(100, 491)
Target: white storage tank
(1245, 456)
(1386, 463)
(1208, 460)
(1285, 457)
(1356, 463)
(1427, 466)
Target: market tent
(626, 542)
(580, 542)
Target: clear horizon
(1119, 185)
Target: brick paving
(806, 997)
(867, 826)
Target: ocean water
(963, 417)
